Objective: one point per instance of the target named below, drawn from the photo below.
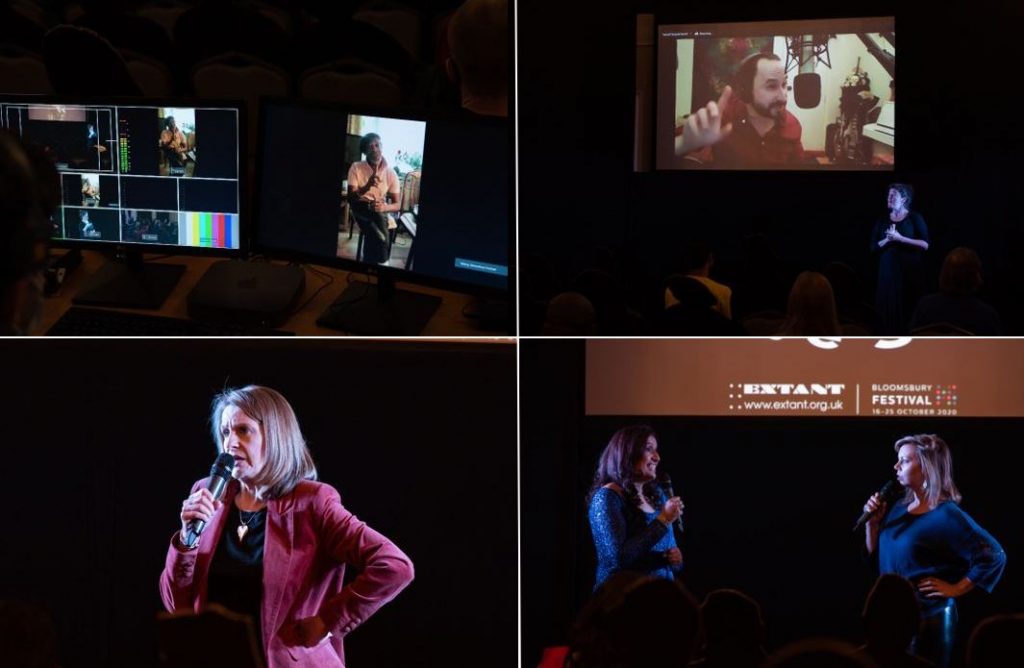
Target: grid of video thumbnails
(137, 174)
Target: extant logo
(793, 388)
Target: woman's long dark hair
(617, 464)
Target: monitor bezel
(245, 226)
(395, 274)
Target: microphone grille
(891, 490)
(223, 464)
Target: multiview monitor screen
(806, 95)
(416, 198)
(140, 174)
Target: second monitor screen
(429, 197)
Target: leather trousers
(935, 640)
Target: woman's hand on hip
(310, 632)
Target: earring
(925, 485)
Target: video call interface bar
(137, 174)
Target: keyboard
(82, 321)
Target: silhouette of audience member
(614, 317)
(635, 620)
(812, 308)
(694, 312)
(856, 316)
(892, 618)
(478, 40)
(82, 62)
(214, 27)
(955, 303)
(733, 631)
(697, 263)
(997, 642)
(539, 283)
(27, 636)
(569, 314)
(819, 653)
(29, 193)
(114, 20)
(17, 29)
(762, 285)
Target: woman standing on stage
(276, 547)
(900, 240)
(630, 516)
(929, 540)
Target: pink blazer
(310, 537)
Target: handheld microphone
(220, 474)
(890, 491)
(665, 482)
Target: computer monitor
(436, 213)
(137, 177)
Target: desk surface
(448, 321)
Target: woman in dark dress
(928, 539)
(900, 240)
(630, 516)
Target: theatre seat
(351, 81)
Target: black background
(769, 503)
(959, 144)
(103, 440)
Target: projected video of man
(177, 142)
(783, 95)
(380, 197)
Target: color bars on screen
(211, 230)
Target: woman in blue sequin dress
(630, 516)
(928, 539)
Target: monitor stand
(129, 282)
(379, 310)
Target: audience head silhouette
(29, 192)
(961, 272)
(27, 636)
(478, 38)
(996, 642)
(636, 620)
(891, 614)
(811, 310)
(819, 653)
(733, 629)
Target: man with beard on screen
(749, 127)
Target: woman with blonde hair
(811, 310)
(927, 538)
(277, 545)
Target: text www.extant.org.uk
(822, 406)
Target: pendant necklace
(243, 527)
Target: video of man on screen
(149, 227)
(380, 196)
(177, 142)
(780, 95)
